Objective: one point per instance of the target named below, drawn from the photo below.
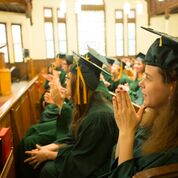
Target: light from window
(3, 41)
(49, 39)
(60, 14)
(119, 39)
(131, 14)
(119, 14)
(131, 39)
(62, 37)
(17, 43)
(91, 31)
(47, 13)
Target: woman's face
(115, 70)
(139, 66)
(156, 92)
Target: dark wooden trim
(92, 7)
(61, 20)
(119, 20)
(166, 8)
(48, 19)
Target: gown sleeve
(93, 148)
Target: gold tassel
(87, 57)
(160, 41)
(80, 77)
(121, 70)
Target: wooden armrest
(166, 171)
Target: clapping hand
(126, 117)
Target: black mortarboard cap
(140, 56)
(91, 69)
(110, 60)
(96, 57)
(60, 55)
(69, 59)
(163, 52)
(117, 62)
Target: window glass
(91, 31)
(119, 39)
(62, 37)
(131, 39)
(3, 41)
(49, 39)
(17, 43)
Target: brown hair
(164, 128)
(79, 110)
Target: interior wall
(34, 39)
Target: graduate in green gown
(86, 152)
(118, 76)
(106, 77)
(147, 142)
(55, 123)
(134, 88)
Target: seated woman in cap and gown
(55, 125)
(55, 67)
(149, 139)
(133, 87)
(86, 152)
(118, 76)
(104, 76)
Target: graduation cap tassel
(80, 78)
(121, 70)
(160, 41)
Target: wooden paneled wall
(18, 112)
(22, 69)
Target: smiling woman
(146, 142)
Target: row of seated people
(86, 137)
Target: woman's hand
(126, 118)
(37, 156)
(48, 98)
(127, 121)
(58, 94)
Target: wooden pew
(18, 111)
(166, 171)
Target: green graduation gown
(123, 80)
(89, 155)
(42, 134)
(135, 92)
(140, 162)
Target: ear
(172, 87)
